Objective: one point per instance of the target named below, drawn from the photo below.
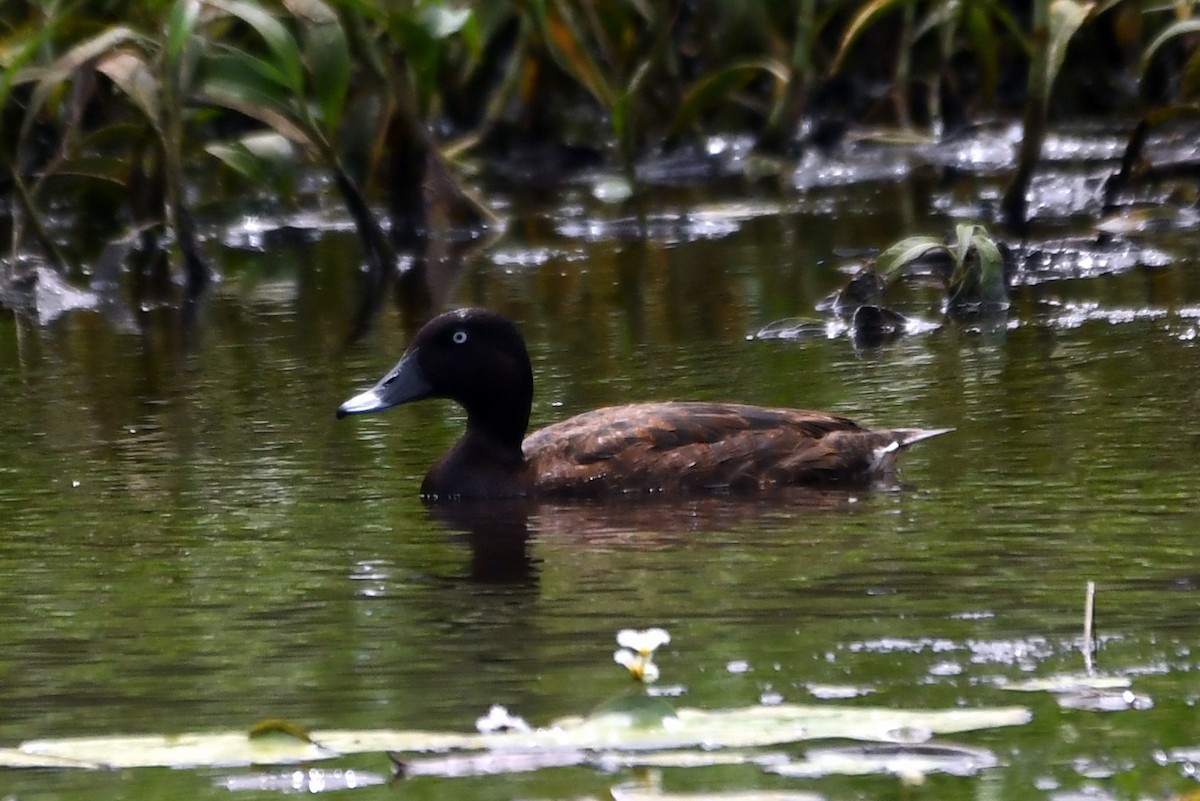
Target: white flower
(499, 719)
(643, 642)
(637, 652)
(627, 659)
(640, 667)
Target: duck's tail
(884, 460)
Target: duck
(478, 358)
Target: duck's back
(703, 446)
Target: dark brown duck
(478, 358)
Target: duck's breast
(696, 446)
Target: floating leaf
(637, 709)
(179, 751)
(899, 760)
(1104, 700)
(644, 793)
(689, 728)
(1069, 682)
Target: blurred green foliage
(115, 106)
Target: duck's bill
(404, 383)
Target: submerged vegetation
(120, 123)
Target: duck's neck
(495, 443)
(478, 466)
(497, 426)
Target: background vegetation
(119, 119)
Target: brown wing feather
(680, 446)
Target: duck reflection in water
(503, 535)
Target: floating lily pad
(627, 792)
(1069, 683)
(1117, 700)
(899, 760)
(748, 727)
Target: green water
(192, 542)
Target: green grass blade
(66, 65)
(181, 24)
(717, 86)
(1066, 16)
(133, 76)
(232, 79)
(896, 258)
(866, 16)
(285, 51)
(1181, 28)
(327, 56)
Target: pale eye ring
(458, 337)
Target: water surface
(192, 542)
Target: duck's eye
(458, 337)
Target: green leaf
(992, 286)
(963, 232)
(133, 76)
(27, 47)
(260, 157)
(311, 12)
(286, 62)
(328, 57)
(716, 87)
(568, 47)
(232, 81)
(1065, 18)
(1181, 28)
(866, 16)
(180, 25)
(241, 74)
(97, 168)
(896, 258)
(66, 64)
(984, 45)
(978, 275)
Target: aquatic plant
(115, 109)
(279, 82)
(971, 266)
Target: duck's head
(473, 356)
